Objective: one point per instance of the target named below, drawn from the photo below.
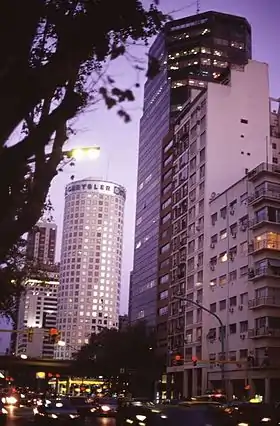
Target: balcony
(267, 194)
(258, 222)
(263, 332)
(267, 301)
(263, 245)
(262, 169)
(273, 270)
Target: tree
(54, 56)
(123, 356)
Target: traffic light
(30, 333)
(54, 335)
(178, 360)
(194, 361)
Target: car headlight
(73, 416)
(53, 416)
(11, 400)
(140, 417)
(4, 411)
(266, 419)
(93, 410)
(105, 408)
(243, 424)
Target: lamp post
(79, 153)
(222, 334)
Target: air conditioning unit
(233, 235)
(231, 310)
(243, 228)
(231, 212)
(242, 336)
(212, 245)
(212, 267)
(240, 307)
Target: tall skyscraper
(41, 241)
(91, 257)
(192, 51)
(38, 310)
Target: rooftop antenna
(197, 6)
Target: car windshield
(57, 404)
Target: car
(106, 406)
(59, 411)
(82, 404)
(194, 414)
(3, 414)
(253, 414)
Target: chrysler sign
(97, 186)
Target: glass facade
(192, 51)
(153, 126)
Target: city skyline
(118, 138)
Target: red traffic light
(178, 358)
(53, 331)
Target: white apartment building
(38, 310)
(91, 257)
(221, 135)
(242, 270)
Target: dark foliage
(127, 356)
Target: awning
(274, 263)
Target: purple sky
(119, 141)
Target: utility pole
(222, 334)
(197, 6)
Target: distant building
(91, 259)
(41, 241)
(123, 322)
(38, 310)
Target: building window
(163, 311)
(163, 295)
(222, 280)
(233, 275)
(243, 326)
(233, 301)
(232, 329)
(223, 305)
(213, 307)
(243, 271)
(164, 279)
(223, 257)
(165, 248)
(243, 121)
(223, 234)
(214, 218)
(140, 314)
(243, 354)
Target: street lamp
(79, 153)
(222, 334)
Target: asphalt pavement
(23, 416)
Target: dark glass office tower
(192, 51)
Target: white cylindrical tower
(91, 258)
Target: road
(23, 416)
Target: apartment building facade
(242, 270)
(220, 135)
(191, 52)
